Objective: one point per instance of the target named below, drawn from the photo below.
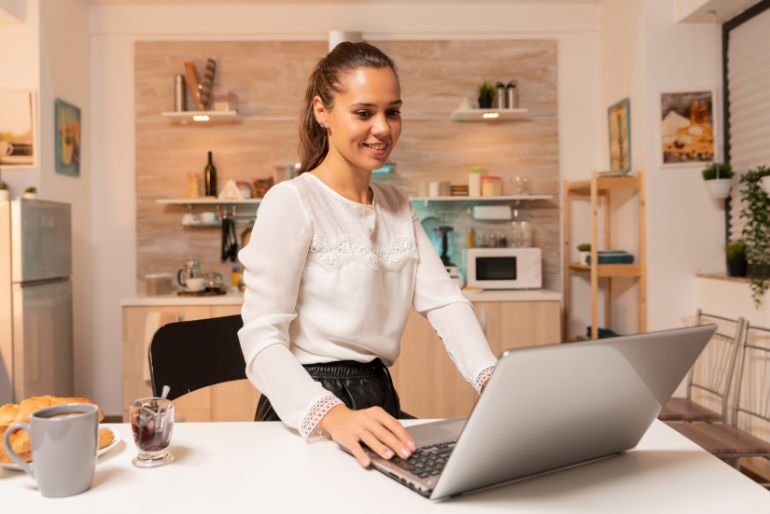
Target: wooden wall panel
(269, 78)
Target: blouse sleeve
(439, 299)
(274, 261)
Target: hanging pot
(719, 189)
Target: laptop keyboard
(427, 461)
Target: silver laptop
(549, 408)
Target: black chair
(190, 355)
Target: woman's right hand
(374, 427)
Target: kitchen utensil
(64, 444)
(491, 185)
(444, 231)
(229, 240)
(157, 284)
(180, 96)
(215, 281)
(500, 95)
(191, 268)
(152, 422)
(208, 82)
(522, 234)
(193, 185)
(209, 218)
(519, 185)
(194, 284)
(512, 94)
(474, 180)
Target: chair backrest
(711, 377)
(189, 355)
(751, 407)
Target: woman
(334, 264)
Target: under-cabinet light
(490, 115)
(200, 117)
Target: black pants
(358, 385)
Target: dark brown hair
(324, 82)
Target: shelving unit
(488, 114)
(599, 186)
(201, 117)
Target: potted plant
(766, 184)
(30, 193)
(584, 252)
(4, 196)
(718, 177)
(486, 95)
(735, 252)
(756, 231)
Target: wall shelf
(201, 117)
(207, 201)
(481, 199)
(502, 198)
(488, 115)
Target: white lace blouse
(331, 279)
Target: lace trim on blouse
(482, 378)
(308, 426)
(339, 253)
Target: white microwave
(504, 268)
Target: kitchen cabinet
(427, 380)
(231, 401)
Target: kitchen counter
(235, 298)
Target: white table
(263, 468)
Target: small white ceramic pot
(719, 188)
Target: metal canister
(500, 96)
(180, 96)
(512, 92)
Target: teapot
(191, 269)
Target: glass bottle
(210, 177)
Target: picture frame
(18, 136)
(67, 138)
(619, 132)
(688, 128)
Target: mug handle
(12, 454)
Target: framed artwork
(619, 125)
(67, 128)
(17, 129)
(687, 128)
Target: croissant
(20, 441)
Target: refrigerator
(36, 335)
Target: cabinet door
(139, 325)
(236, 400)
(426, 379)
(519, 324)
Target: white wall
(65, 70)
(644, 52)
(114, 30)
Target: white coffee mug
(196, 284)
(6, 148)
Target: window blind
(748, 90)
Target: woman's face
(365, 121)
